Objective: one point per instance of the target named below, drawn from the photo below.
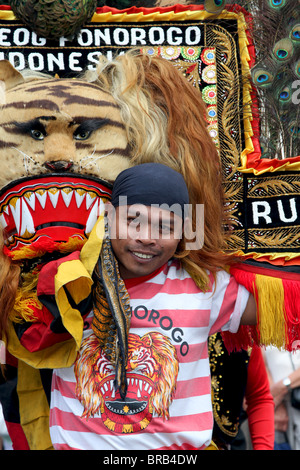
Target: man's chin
(138, 268)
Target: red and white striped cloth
(171, 321)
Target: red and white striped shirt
(168, 402)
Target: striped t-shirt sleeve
(228, 304)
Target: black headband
(151, 184)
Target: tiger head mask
(53, 125)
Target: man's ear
(110, 215)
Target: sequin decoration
(209, 74)
(213, 132)
(170, 53)
(190, 53)
(211, 113)
(209, 94)
(208, 56)
(152, 51)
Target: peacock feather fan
(53, 19)
(276, 74)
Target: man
(141, 379)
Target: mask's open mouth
(134, 413)
(127, 407)
(58, 206)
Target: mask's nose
(59, 165)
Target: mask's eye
(87, 127)
(33, 128)
(36, 134)
(81, 134)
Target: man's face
(143, 238)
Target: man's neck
(134, 281)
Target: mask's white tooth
(6, 210)
(3, 221)
(138, 393)
(41, 194)
(67, 194)
(101, 207)
(27, 225)
(90, 198)
(79, 196)
(92, 219)
(30, 198)
(16, 212)
(53, 194)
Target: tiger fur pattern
(58, 125)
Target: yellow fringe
(272, 325)
(23, 308)
(73, 244)
(29, 281)
(28, 252)
(26, 299)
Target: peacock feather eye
(295, 33)
(285, 95)
(283, 49)
(277, 3)
(281, 54)
(214, 6)
(262, 77)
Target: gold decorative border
(264, 187)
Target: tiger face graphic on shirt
(152, 370)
